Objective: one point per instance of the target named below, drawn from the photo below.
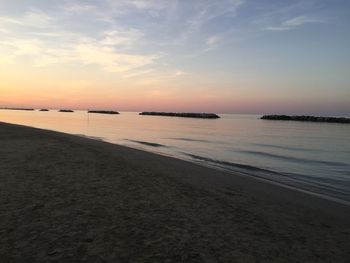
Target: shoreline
(228, 171)
(177, 209)
(270, 181)
(203, 164)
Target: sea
(306, 156)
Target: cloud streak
(294, 23)
(39, 38)
(97, 34)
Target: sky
(224, 56)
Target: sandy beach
(65, 198)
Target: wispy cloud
(131, 36)
(80, 49)
(180, 73)
(149, 4)
(207, 11)
(101, 33)
(45, 42)
(8, 20)
(212, 42)
(33, 18)
(294, 23)
(79, 8)
(110, 60)
(124, 38)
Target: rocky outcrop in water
(65, 111)
(17, 109)
(185, 115)
(306, 118)
(44, 110)
(103, 112)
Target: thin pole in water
(88, 117)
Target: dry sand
(70, 199)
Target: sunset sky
(239, 56)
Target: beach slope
(65, 198)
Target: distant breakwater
(306, 118)
(17, 109)
(185, 115)
(103, 112)
(66, 111)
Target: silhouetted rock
(66, 111)
(44, 110)
(306, 118)
(17, 109)
(103, 112)
(185, 115)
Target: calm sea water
(310, 156)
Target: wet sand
(65, 198)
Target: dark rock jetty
(186, 115)
(65, 111)
(17, 109)
(306, 118)
(44, 110)
(103, 112)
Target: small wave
(91, 137)
(188, 139)
(230, 164)
(153, 144)
(286, 147)
(323, 187)
(294, 159)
